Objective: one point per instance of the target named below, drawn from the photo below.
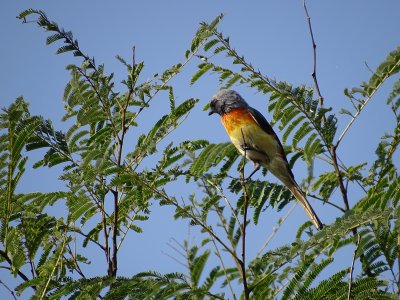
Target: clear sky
(273, 35)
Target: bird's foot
(246, 147)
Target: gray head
(226, 100)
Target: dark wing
(263, 123)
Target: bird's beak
(210, 113)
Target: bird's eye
(223, 108)
(212, 103)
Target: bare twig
(59, 260)
(115, 229)
(343, 191)
(219, 212)
(73, 255)
(227, 201)
(364, 103)
(275, 229)
(20, 274)
(352, 268)
(244, 224)
(314, 72)
(217, 252)
(128, 227)
(191, 215)
(8, 289)
(105, 233)
(177, 251)
(164, 83)
(339, 177)
(77, 230)
(326, 202)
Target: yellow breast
(243, 130)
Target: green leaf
(203, 68)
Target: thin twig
(218, 211)
(314, 72)
(275, 229)
(364, 103)
(164, 83)
(227, 202)
(59, 258)
(276, 268)
(343, 190)
(352, 268)
(105, 233)
(19, 272)
(326, 202)
(339, 177)
(104, 102)
(115, 231)
(133, 56)
(177, 251)
(73, 255)
(125, 233)
(244, 224)
(77, 230)
(8, 289)
(217, 252)
(191, 215)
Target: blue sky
(273, 35)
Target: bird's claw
(246, 147)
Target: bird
(255, 139)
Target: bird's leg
(246, 147)
(257, 167)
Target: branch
(114, 259)
(125, 233)
(343, 190)
(339, 177)
(72, 253)
(244, 225)
(20, 274)
(223, 267)
(105, 106)
(164, 83)
(225, 198)
(218, 210)
(77, 230)
(327, 202)
(365, 102)
(60, 256)
(208, 229)
(352, 268)
(105, 233)
(314, 73)
(8, 289)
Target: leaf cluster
(111, 185)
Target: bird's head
(226, 100)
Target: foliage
(47, 252)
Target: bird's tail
(298, 193)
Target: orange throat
(237, 118)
